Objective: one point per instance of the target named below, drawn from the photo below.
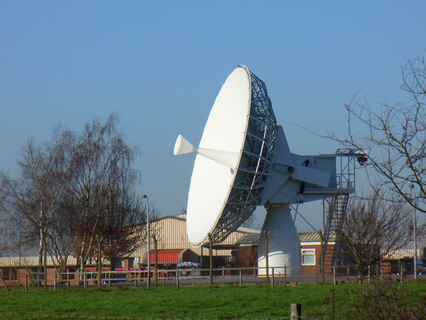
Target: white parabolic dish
(211, 182)
(215, 193)
(243, 161)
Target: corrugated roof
(407, 250)
(315, 237)
(183, 218)
(249, 238)
(304, 237)
(420, 243)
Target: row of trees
(372, 230)
(75, 196)
(395, 137)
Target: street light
(414, 234)
(415, 244)
(148, 244)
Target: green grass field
(224, 302)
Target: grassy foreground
(224, 302)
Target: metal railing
(189, 277)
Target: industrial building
(172, 249)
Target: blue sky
(160, 65)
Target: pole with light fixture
(148, 243)
(415, 244)
(414, 234)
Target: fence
(195, 276)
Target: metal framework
(334, 209)
(255, 162)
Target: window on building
(119, 263)
(71, 273)
(134, 262)
(308, 257)
(9, 274)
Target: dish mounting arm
(289, 173)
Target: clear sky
(160, 64)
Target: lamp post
(148, 243)
(414, 234)
(415, 244)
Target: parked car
(408, 264)
(188, 268)
(116, 277)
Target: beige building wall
(171, 234)
(29, 261)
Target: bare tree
(121, 227)
(33, 198)
(7, 234)
(386, 300)
(13, 236)
(102, 170)
(395, 136)
(74, 189)
(373, 229)
(61, 240)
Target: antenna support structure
(244, 161)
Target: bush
(386, 299)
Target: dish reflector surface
(221, 197)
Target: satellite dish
(233, 158)
(243, 160)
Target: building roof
(183, 218)
(420, 243)
(315, 237)
(253, 238)
(407, 250)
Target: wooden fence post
(285, 275)
(99, 262)
(266, 234)
(85, 279)
(154, 237)
(4, 284)
(322, 257)
(369, 274)
(334, 275)
(295, 311)
(316, 274)
(211, 259)
(192, 277)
